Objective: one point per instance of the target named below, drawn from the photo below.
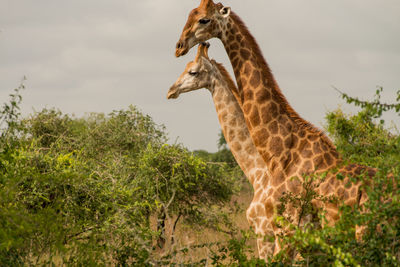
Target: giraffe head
(197, 74)
(204, 22)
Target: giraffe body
(289, 145)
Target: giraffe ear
(225, 11)
(207, 65)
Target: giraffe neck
(287, 143)
(234, 128)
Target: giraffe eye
(193, 73)
(204, 21)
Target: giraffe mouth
(181, 51)
(173, 93)
(182, 48)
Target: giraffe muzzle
(173, 93)
(181, 49)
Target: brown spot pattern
(248, 95)
(276, 146)
(273, 127)
(247, 108)
(289, 142)
(262, 95)
(328, 158)
(245, 54)
(255, 80)
(266, 115)
(317, 148)
(234, 46)
(260, 138)
(255, 117)
(247, 70)
(269, 209)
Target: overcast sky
(100, 55)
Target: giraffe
(206, 73)
(289, 145)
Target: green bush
(82, 191)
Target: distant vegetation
(109, 190)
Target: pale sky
(97, 56)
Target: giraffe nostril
(179, 45)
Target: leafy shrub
(82, 191)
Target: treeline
(107, 190)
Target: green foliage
(236, 253)
(374, 108)
(100, 190)
(221, 140)
(360, 138)
(187, 180)
(9, 114)
(224, 155)
(363, 137)
(83, 191)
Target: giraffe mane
(266, 71)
